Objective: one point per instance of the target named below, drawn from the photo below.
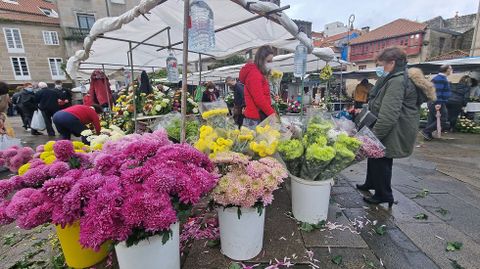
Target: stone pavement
(447, 168)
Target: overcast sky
(375, 13)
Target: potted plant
(244, 190)
(151, 184)
(313, 160)
(38, 193)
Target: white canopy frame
(105, 25)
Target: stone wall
(432, 47)
(36, 52)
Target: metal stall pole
(341, 86)
(186, 18)
(133, 87)
(200, 66)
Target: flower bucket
(241, 239)
(151, 253)
(77, 256)
(310, 199)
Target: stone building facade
(31, 49)
(445, 36)
(77, 17)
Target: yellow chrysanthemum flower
(23, 169)
(97, 147)
(44, 155)
(78, 144)
(49, 146)
(49, 160)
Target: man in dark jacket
(47, 100)
(27, 105)
(443, 90)
(238, 100)
(65, 99)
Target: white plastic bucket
(151, 253)
(241, 239)
(310, 199)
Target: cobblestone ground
(440, 180)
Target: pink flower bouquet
(14, 157)
(40, 188)
(371, 146)
(247, 183)
(134, 188)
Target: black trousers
(379, 177)
(47, 117)
(454, 111)
(67, 124)
(27, 115)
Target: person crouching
(73, 120)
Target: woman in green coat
(395, 100)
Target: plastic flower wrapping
(246, 183)
(215, 113)
(229, 98)
(259, 143)
(172, 123)
(371, 146)
(324, 149)
(276, 79)
(15, 157)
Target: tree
(229, 61)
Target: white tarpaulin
(161, 13)
(284, 63)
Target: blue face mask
(380, 70)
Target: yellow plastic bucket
(75, 255)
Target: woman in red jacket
(257, 90)
(73, 120)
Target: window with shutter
(13, 39)
(20, 68)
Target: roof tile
(27, 10)
(455, 54)
(395, 28)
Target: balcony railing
(77, 34)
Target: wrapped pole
(439, 121)
(186, 16)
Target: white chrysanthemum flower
(87, 132)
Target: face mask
(380, 70)
(29, 89)
(210, 90)
(58, 87)
(269, 66)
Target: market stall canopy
(470, 65)
(285, 63)
(145, 21)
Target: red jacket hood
(246, 70)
